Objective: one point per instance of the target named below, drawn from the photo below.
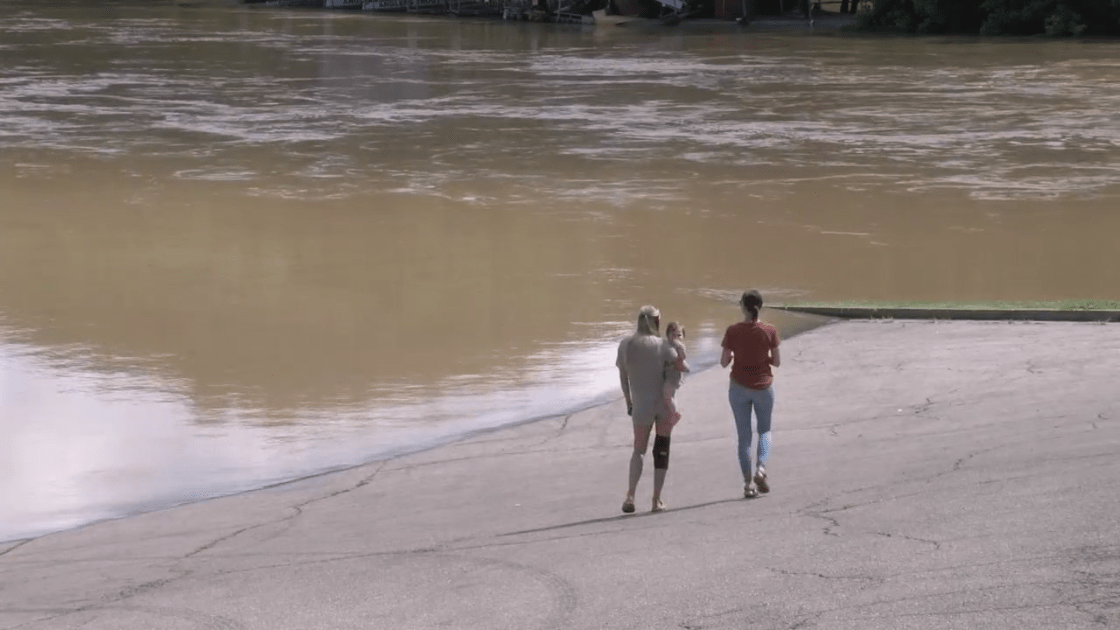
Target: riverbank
(925, 474)
(1037, 311)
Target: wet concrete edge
(1039, 315)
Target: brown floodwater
(241, 244)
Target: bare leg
(664, 429)
(658, 483)
(641, 442)
(635, 474)
(671, 404)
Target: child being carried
(674, 372)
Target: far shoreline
(827, 22)
(1087, 310)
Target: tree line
(1057, 18)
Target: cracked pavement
(925, 474)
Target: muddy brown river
(241, 244)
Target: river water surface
(241, 244)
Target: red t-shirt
(751, 343)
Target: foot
(628, 505)
(760, 481)
(749, 492)
(658, 506)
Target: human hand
(629, 409)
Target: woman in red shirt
(754, 347)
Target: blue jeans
(743, 400)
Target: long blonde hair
(646, 326)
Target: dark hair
(751, 301)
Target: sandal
(760, 481)
(658, 506)
(749, 492)
(628, 505)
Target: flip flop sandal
(659, 507)
(628, 505)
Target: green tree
(1056, 18)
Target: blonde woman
(642, 359)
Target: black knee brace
(661, 452)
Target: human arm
(624, 381)
(725, 358)
(623, 376)
(775, 355)
(680, 363)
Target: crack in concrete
(108, 600)
(361, 483)
(811, 620)
(140, 589)
(936, 543)
(559, 431)
(828, 529)
(216, 541)
(208, 621)
(919, 409)
(15, 546)
(960, 462)
(960, 611)
(490, 455)
(297, 511)
(861, 578)
(812, 511)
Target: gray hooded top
(644, 356)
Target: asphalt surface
(924, 474)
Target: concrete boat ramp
(926, 474)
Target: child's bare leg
(671, 404)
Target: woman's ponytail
(751, 302)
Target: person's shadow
(620, 517)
